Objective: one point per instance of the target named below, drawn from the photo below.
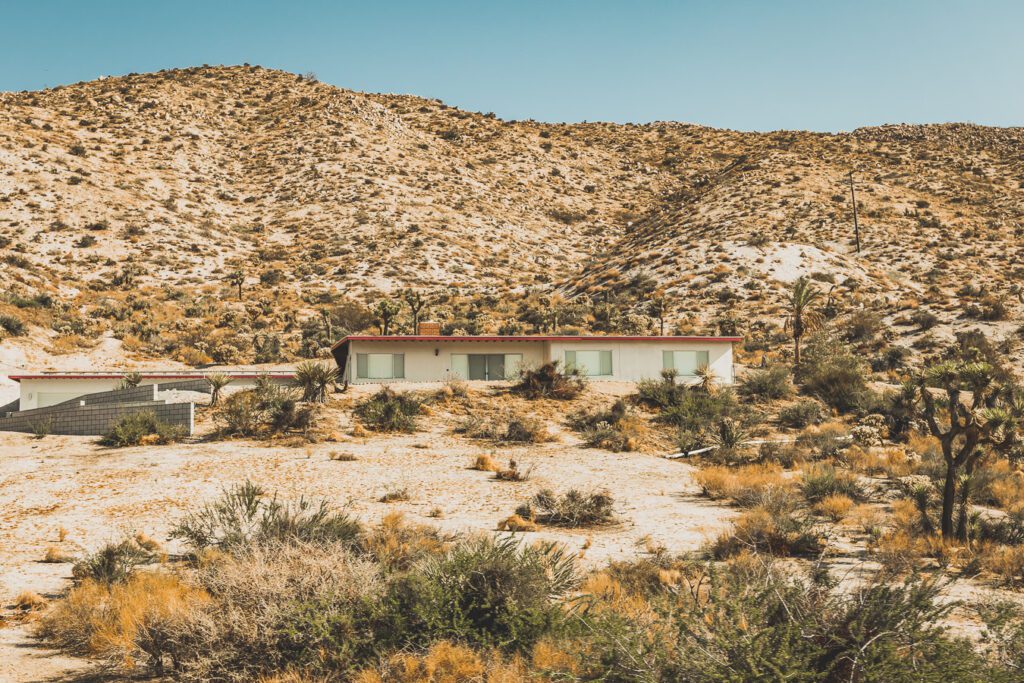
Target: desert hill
(126, 204)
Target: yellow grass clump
(835, 507)
(517, 523)
(55, 555)
(123, 621)
(745, 485)
(445, 662)
(29, 601)
(485, 463)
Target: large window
(380, 365)
(486, 366)
(590, 363)
(686, 363)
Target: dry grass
(485, 463)
(55, 555)
(29, 601)
(835, 507)
(517, 523)
(123, 622)
(398, 543)
(748, 485)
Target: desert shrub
(548, 381)
(113, 563)
(823, 480)
(803, 413)
(507, 426)
(831, 373)
(771, 384)
(283, 606)
(760, 530)
(12, 325)
(245, 516)
(614, 429)
(267, 407)
(824, 441)
(491, 592)
(389, 411)
(574, 508)
(144, 427)
(138, 619)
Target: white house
(49, 388)
(364, 359)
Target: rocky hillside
(134, 200)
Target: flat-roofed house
(366, 359)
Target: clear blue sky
(746, 64)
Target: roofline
(144, 375)
(525, 338)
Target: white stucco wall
(422, 364)
(632, 360)
(635, 360)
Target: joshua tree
(314, 379)
(802, 316)
(416, 302)
(217, 381)
(386, 311)
(237, 279)
(978, 413)
(659, 308)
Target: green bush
(489, 592)
(803, 413)
(245, 516)
(131, 429)
(389, 411)
(572, 509)
(267, 407)
(767, 385)
(548, 381)
(315, 379)
(12, 325)
(822, 480)
(829, 372)
(113, 563)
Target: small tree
(416, 302)
(974, 411)
(386, 312)
(802, 317)
(217, 381)
(237, 279)
(659, 308)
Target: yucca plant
(130, 380)
(217, 381)
(314, 379)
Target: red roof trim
(275, 375)
(525, 338)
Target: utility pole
(856, 228)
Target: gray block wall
(187, 385)
(94, 420)
(131, 395)
(10, 407)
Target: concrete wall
(96, 419)
(130, 395)
(631, 360)
(48, 391)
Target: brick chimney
(429, 327)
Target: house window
(686, 363)
(590, 363)
(486, 366)
(380, 366)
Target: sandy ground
(98, 494)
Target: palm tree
(802, 317)
(314, 379)
(217, 381)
